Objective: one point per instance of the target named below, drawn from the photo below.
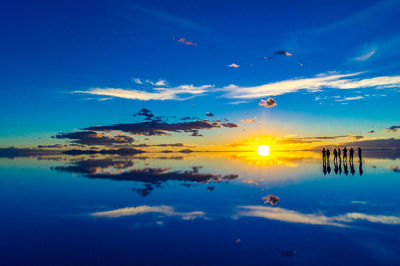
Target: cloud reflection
(161, 210)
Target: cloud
(95, 138)
(268, 103)
(282, 52)
(138, 81)
(371, 131)
(395, 169)
(146, 113)
(393, 129)
(209, 114)
(365, 56)
(317, 83)
(285, 215)
(157, 93)
(234, 65)
(160, 128)
(273, 200)
(167, 17)
(144, 209)
(249, 120)
(160, 82)
(187, 42)
(350, 99)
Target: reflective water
(200, 209)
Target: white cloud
(365, 56)
(285, 215)
(156, 94)
(317, 83)
(234, 65)
(137, 81)
(314, 84)
(164, 210)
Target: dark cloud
(393, 129)
(95, 138)
(395, 169)
(388, 144)
(283, 53)
(122, 151)
(328, 137)
(273, 200)
(188, 118)
(372, 131)
(268, 103)
(152, 177)
(157, 128)
(148, 115)
(209, 114)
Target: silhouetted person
(351, 152)
(340, 159)
(360, 168)
(328, 153)
(323, 154)
(359, 154)
(335, 155)
(352, 167)
(345, 154)
(345, 170)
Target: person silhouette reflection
(345, 170)
(324, 167)
(334, 155)
(351, 152)
(360, 168)
(359, 154)
(336, 167)
(328, 167)
(345, 154)
(340, 167)
(352, 167)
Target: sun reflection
(263, 150)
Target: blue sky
(62, 62)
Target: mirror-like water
(200, 209)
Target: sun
(263, 150)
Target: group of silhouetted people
(337, 154)
(337, 161)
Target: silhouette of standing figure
(351, 152)
(328, 153)
(359, 154)
(335, 155)
(323, 155)
(345, 154)
(338, 151)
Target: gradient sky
(74, 64)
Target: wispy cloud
(393, 129)
(234, 65)
(365, 56)
(317, 83)
(160, 210)
(167, 17)
(162, 93)
(330, 80)
(291, 216)
(187, 42)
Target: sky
(286, 72)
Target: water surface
(200, 209)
